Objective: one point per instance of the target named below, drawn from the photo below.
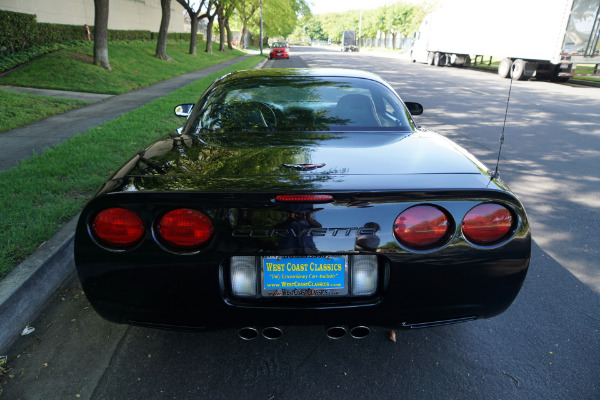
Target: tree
(161, 45)
(101, 33)
(228, 10)
(280, 17)
(195, 17)
(314, 30)
(221, 19)
(211, 20)
(246, 9)
(379, 22)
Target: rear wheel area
(518, 70)
(430, 58)
(439, 59)
(505, 67)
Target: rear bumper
(195, 295)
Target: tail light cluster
(426, 227)
(118, 228)
(182, 229)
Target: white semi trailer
(541, 38)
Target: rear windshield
(276, 44)
(300, 103)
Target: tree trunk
(194, 35)
(101, 33)
(161, 45)
(229, 34)
(195, 18)
(209, 27)
(242, 35)
(221, 30)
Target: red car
(279, 50)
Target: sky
(327, 6)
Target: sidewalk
(25, 290)
(22, 143)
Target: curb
(262, 63)
(25, 290)
(31, 283)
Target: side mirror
(414, 108)
(183, 110)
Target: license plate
(304, 276)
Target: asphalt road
(546, 346)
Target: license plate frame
(304, 276)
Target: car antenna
(496, 173)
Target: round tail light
(422, 227)
(487, 224)
(185, 228)
(118, 227)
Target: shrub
(16, 30)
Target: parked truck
(349, 41)
(545, 39)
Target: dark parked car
(297, 197)
(279, 50)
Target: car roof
(306, 72)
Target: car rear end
(208, 259)
(279, 51)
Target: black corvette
(301, 197)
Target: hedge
(16, 30)
(20, 31)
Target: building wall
(122, 14)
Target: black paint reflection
(296, 228)
(367, 239)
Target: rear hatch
(306, 162)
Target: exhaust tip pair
(274, 333)
(251, 333)
(357, 332)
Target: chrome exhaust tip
(360, 332)
(248, 333)
(336, 332)
(272, 333)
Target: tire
(505, 67)
(518, 70)
(430, 58)
(439, 59)
(552, 75)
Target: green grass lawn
(20, 109)
(61, 179)
(133, 66)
